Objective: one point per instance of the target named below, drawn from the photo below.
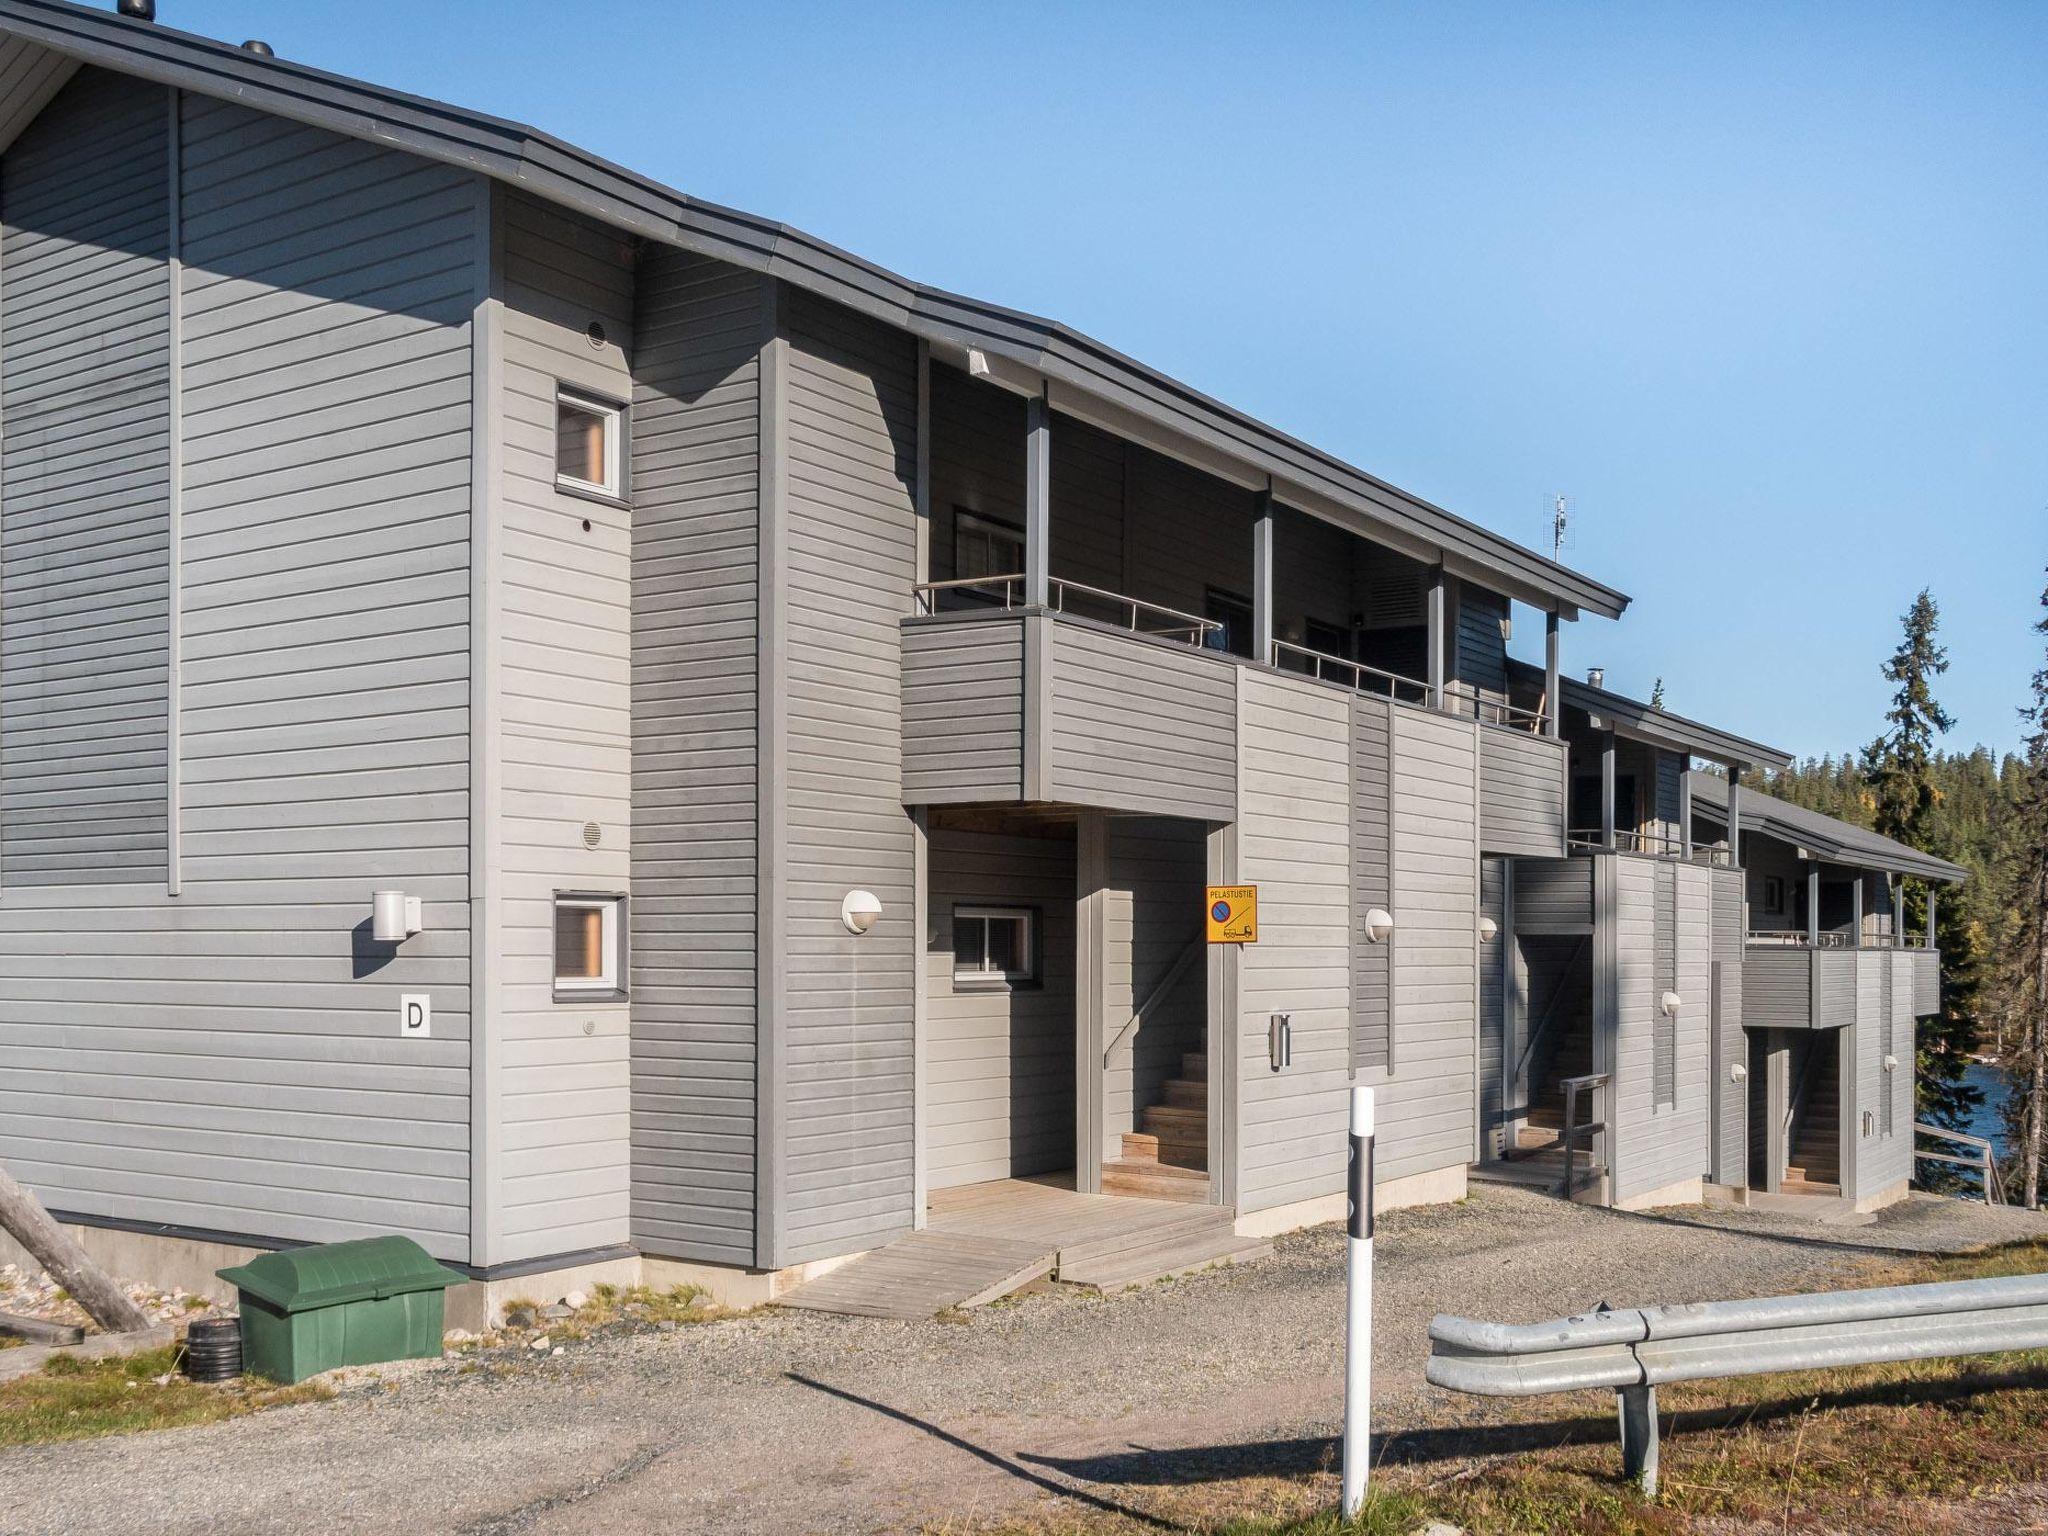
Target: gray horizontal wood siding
(1660, 1138)
(1138, 725)
(229, 1059)
(999, 1059)
(1777, 987)
(1834, 988)
(1427, 1112)
(564, 739)
(963, 710)
(1554, 895)
(1731, 1144)
(848, 427)
(85, 630)
(1926, 970)
(1372, 846)
(698, 328)
(1493, 1004)
(1521, 793)
(1294, 833)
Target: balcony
(1793, 980)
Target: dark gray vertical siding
(85, 324)
(963, 710)
(1483, 641)
(1372, 787)
(851, 429)
(1521, 793)
(229, 1059)
(699, 329)
(977, 462)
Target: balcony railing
(1662, 845)
(1073, 597)
(1798, 938)
(1458, 699)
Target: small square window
(994, 944)
(587, 945)
(586, 443)
(985, 547)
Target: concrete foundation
(1439, 1186)
(1691, 1191)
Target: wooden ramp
(985, 1241)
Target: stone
(556, 1311)
(539, 1344)
(559, 1350)
(701, 1302)
(667, 1325)
(1439, 1528)
(575, 1301)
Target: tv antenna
(1560, 519)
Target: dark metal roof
(564, 174)
(1835, 842)
(1640, 722)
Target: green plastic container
(308, 1310)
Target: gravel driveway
(792, 1422)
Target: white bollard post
(1358, 1312)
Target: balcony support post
(1553, 706)
(1037, 502)
(1929, 936)
(1685, 808)
(1856, 910)
(1262, 577)
(1813, 903)
(1436, 637)
(1607, 792)
(1735, 824)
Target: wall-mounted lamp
(394, 916)
(859, 911)
(1671, 1002)
(1379, 925)
(1891, 1063)
(1737, 1072)
(1489, 930)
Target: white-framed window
(587, 944)
(985, 546)
(994, 944)
(587, 446)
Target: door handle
(1280, 1041)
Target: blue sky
(1763, 290)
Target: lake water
(1988, 1119)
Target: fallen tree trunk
(25, 1220)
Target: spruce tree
(1898, 773)
(2023, 967)
(1657, 695)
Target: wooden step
(1194, 1065)
(1804, 1186)
(1191, 1224)
(1187, 1093)
(1155, 1181)
(1140, 1148)
(1175, 1122)
(1185, 1258)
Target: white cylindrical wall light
(1737, 1072)
(1671, 1002)
(394, 916)
(859, 911)
(1891, 1063)
(1379, 925)
(1489, 930)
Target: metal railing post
(1637, 1409)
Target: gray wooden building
(806, 707)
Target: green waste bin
(308, 1310)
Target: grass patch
(611, 1307)
(74, 1399)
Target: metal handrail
(1986, 1161)
(1797, 938)
(1361, 678)
(1166, 984)
(1009, 589)
(1493, 711)
(1588, 1084)
(1654, 844)
(1632, 1352)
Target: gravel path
(792, 1422)
(1917, 1224)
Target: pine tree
(2023, 967)
(1898, 773)
(1657, 695)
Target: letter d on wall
(416, 1016)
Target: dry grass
(1882, 1449)
(73, 1399)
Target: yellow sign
(1233, 914)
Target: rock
(556, 1311)
(667, 1325)
(559, 1350)
(457, 1336)
(519, 1317)
(539, 1344)
(701, 1302)
(575, 1301)
(1439, 1528)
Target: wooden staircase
(1815, 1164)
(1167, 1158)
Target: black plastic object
(213, 1349)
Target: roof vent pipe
(138, 10)
(1597, 676)
(260, 48)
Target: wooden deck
(985, 1241)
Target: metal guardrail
(1590, 1084)
(1356, 675)
(1074, 597)
(1654, 844)
(1985, 1161)
(1635, 1351)
(1797, 938)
